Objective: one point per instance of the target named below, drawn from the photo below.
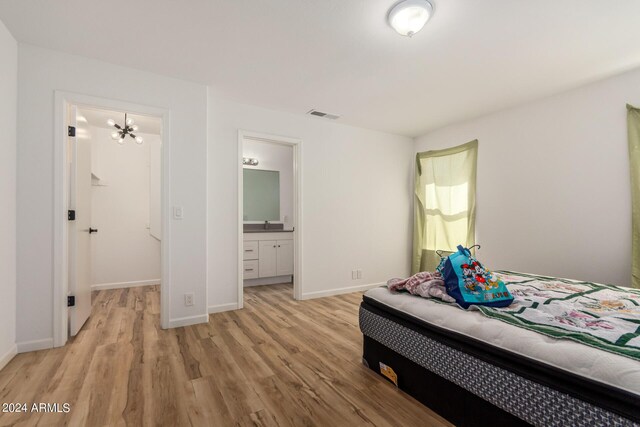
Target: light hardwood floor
(277, 362)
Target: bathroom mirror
(261, 195)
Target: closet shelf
(96, 181)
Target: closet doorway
(269, 206)
(111, 242)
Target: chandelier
(122, 131)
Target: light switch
(178, 212)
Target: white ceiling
(340, 56)
(98, 118)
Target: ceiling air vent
(323, 114)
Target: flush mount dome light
(409, 16)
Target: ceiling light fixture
(409, 16)
(122, 131)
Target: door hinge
(71, 301)
(71, 215)
(72, 131)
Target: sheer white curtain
(445, 203)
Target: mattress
(570, 379)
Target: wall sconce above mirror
(249, 161)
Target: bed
(474, 369)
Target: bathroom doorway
(269, 226)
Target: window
(444, 203)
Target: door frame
(62, 102)
(296, 144)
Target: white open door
(80, 231)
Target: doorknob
(92, 230)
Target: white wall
(42, 72)
(8, 107)
(275, 157)
(356, 199)
(553, 192)
(123, 250)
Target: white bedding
(618, 371)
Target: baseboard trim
(26, 346)
(4, 360)
(223, 307)
(122, 285)
(187, 321)
(267, 281)
(340, 291)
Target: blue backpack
(469, 283)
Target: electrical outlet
(354, 274)
(359, 273)
(188, 299)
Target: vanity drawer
(250, 250)
(250, 269)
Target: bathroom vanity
(268, 257)
(268, 247)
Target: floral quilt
(603, 316)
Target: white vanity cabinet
(275, 258)
(268, 255)
(284, 257)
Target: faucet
(266, 225)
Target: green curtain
(633, 128)
(445, 203)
